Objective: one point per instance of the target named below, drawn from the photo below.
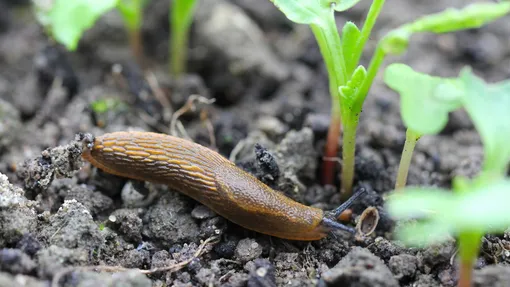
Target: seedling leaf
(488, 106)
(311, 11)
(350, 38)
(482, 207)
(341, 5)
(350, 92)
(425, 100)
(472, 16)
(302, 12)
(67, 20)
(402, 205)
(449, 20)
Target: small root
(189, 106)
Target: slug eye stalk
(329, 219)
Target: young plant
(66, 21)
(478, 206)
(471, 210)
(132, 15)
(424, 105)
(341, 56)
(349, 81)
(181, 16)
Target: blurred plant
(422, 95)
(132, 14)
(181, 16)
(477, 206)
(66, 20)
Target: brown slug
(211, 179)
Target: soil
(270, 116)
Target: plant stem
(135, 42)
(178, 50)
(465, 274)
(469, 246)
(351, 119)
(330, 46)
(405, 161)
(348, 156)
(181, 16)
(372, 15)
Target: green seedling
(66, 21)
(132, 15)
(478, 206)
(341, 55)
(425, 104)
(474, 208)
(427, 100)
(181, 16)
(350, 82)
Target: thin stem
(330, 46)
(135, 42)
(405, 161)
(373, 13)
(348, 153)
(465, 274)
(469, 247)
(179, 52)
(181, 16)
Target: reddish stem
(135, 42)
(466, 273)
(331, 150)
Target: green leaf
(425, 100)
(418, 202)
(341, 5)
(450, 20)
(182, 12)
(489, 108)
(350, 92)
(483, 207)
(303, 11)
(311, 11)
(104, 105)
(472, 16)
(67, 20)
(350, 37)
(421, 234)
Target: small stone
(403, 266)
(360, 268)
(248, 249)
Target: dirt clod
(403, 266)
(72, 227)
(248, 249)
(359, 268)
(16, 262)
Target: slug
(212, 180)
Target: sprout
(476, 207)
(181, 16)
(66, 20)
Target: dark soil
(270, 117)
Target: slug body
(209, 178)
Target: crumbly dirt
(59, 215)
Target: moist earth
(59, 216)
